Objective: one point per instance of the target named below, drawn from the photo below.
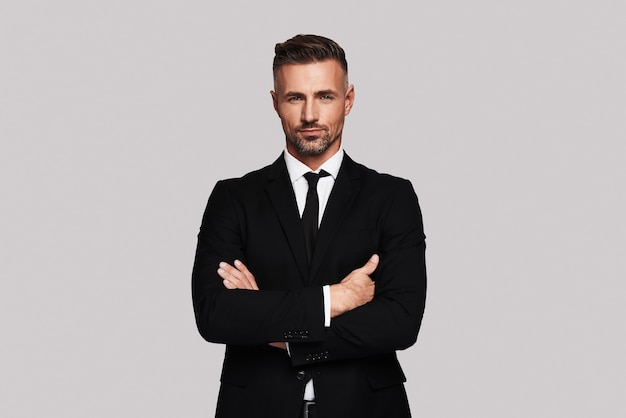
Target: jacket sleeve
(391, 321)
(245, 317)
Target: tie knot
(312, 178)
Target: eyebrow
(326, 93)
(317, 93)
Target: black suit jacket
(353, 362)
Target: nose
(309, 111)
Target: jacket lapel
(341, 198)
(283, 201)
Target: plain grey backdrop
(118, 117)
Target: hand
(237, 277)
(356, 289)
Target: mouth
(311, 131)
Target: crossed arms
(367, 320)
(356, 289)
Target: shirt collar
(297, 169)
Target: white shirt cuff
(326, 292)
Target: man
(307, 332)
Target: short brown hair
(305, 49)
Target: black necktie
(311, 211)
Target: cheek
(289, 123)
(289, 117)
(284, 119)
(336, 117)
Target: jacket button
(300, 375)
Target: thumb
(371, 264)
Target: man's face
(312, 101)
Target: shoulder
(255, 179)
(374, 179)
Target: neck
(314, 162)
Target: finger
(248, 275)
(234, 276)
(239, 276)
(371, 264)
(227, 278)
(245, 275)
(228, 285)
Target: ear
(274, 100)
(349, 101)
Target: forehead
(321, 75)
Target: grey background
(118, 117)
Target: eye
(294, 98)
(326, 97)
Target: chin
(313, 150)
